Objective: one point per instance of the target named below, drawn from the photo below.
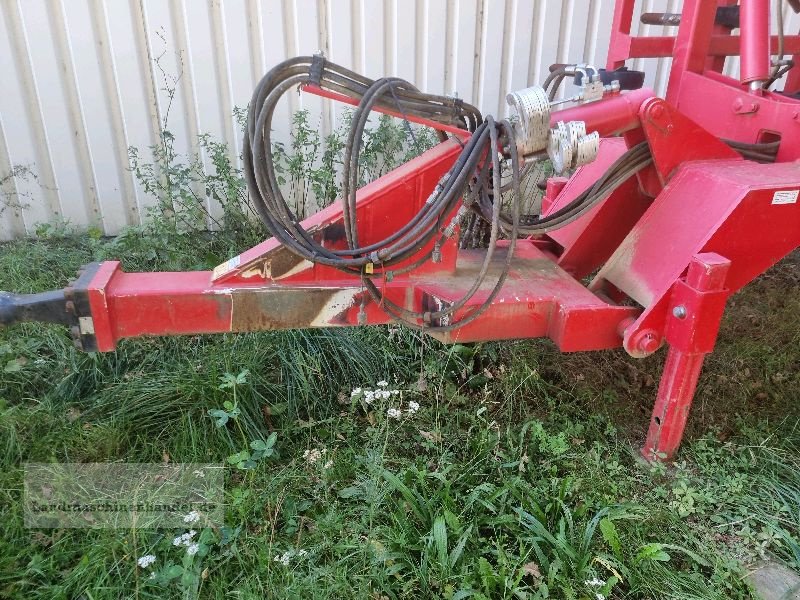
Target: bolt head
(679, 312)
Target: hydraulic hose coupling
(567, 145)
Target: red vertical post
(619, 44)
(692, 43)
(695, 313)
(717, 63)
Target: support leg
(675, 394)
(693, 321)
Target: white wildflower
(287, 556)
(595, 582)
(383, 384)
(329, 464)
(413, 407)
(393, 413)
(192, 549)
(146, 560)
(356, 392)
(192, 517)
(184, 539)
(395, 392)
(369, 396)
(312, 456)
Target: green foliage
(517, 476)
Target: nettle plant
(203, 192)
(254, 451)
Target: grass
(517, 477)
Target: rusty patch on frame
(281, 262)
(258, 310)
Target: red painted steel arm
(609, 117)
(318, 91)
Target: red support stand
(696, 309)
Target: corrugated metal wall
(84, 80)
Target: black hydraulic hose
(260, 176)
(474, 180)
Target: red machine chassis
(666, 249)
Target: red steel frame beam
(698, 40)
(696, 226)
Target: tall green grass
(517, 478)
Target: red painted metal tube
(755, 41)
(318, 91)
(664, 46)
(608, 117)
(675, 394)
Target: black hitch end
(46, 307)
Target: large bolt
(679, 312)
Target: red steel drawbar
(667, 248)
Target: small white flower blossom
(595, 582)
(355, 392)
(192, 517)
(393, 413)
(383, 384)
(184, 539)
(413, 407)
(146, 560)
(287, 556)
(395, 392)
(328, 464)
(369, 396)
(192, 549)
(198, 473)
(312, 456)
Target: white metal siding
(83, 80)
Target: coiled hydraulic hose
(474, 180)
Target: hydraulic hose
(474, 181)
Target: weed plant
(373, 463)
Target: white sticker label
(226, 267)
(789, 197)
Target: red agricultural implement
(669, 207)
